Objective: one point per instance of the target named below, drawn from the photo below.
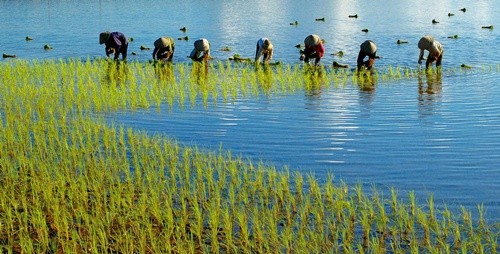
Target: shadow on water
(429, 92)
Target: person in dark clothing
(201, 51)
(367, 48)
(164, 49)
(116, 43)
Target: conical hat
(368, 47)
(104, 36)
(312, 40)
(163, 42)
(202, 45)
(425, 42)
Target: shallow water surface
(437, 133)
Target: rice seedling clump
(72, 183)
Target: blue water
(436, 134)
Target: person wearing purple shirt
(115, 42)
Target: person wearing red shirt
(313, 49)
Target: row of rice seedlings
(103, 86)
(73, 184)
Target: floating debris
(185, 38)
(8, 56)
(401, 42)
(453, 36)
(237, 57)
(466, 66)
(225, 49)
(340, 53)
(320, 19)
(434, 21)
(131, 39)
(298, 46)
(47, 47)
(183, 29)
(134, 53)
(28, 38)
(295, 23)
(450, 14)
(355, 16)
(487, 27)
(337, 65)
(144, 47)
(365, 30)
(463, 10)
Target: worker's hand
(302, 57)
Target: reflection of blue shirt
(119, 42)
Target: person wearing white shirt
(435, 51)
(264, 50)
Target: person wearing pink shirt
(313, 49)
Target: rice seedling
(73, 183)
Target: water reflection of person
(429, 91)
(116, 73)
(116, 43)
(164, 71)
(264, 76)
(314, 82)
(367, 83)
(199, 72)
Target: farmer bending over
(313, 49)
(164, 49)
(435, 51)
(116, 43)
(264, 48)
